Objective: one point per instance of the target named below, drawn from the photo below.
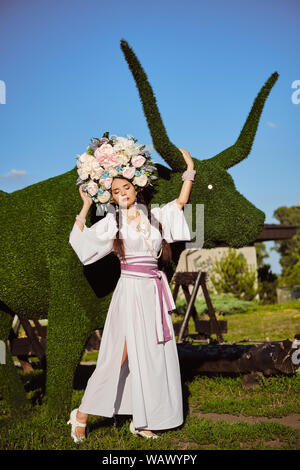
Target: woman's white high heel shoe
(73, 421)
(140, 433)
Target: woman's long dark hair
(118, 244)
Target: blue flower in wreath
(105, 174)
(137, 173)
(119, 168)
(100, 191)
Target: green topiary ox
(41, 276)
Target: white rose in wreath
(83, 174)
(140, 180)
(84, 157)
(104, 197)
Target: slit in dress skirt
(122, 370)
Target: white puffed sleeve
(95, 242)
(174, 225)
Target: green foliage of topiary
(41, 276)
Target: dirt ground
(292, 420)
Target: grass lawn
(250, 320)
(219, 412)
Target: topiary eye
(210, 186)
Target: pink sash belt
(146, 266)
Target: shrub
(228, 304)
(231, 274)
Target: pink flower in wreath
(105, 156)
(128, 172)
(104, 149)
(138, 161)
(107, 183)
(92, 188)
(108, 161)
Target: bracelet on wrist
(188, 175)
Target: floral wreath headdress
(110, 157)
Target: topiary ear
(161, 142)
(169, 152)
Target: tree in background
(289, 250)
(267, 280)
(261, 253)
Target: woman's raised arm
(187, 184)
(87, 202)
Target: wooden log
(268, 357)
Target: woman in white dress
(137, 369)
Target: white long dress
(148, 386)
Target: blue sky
(67, 81)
